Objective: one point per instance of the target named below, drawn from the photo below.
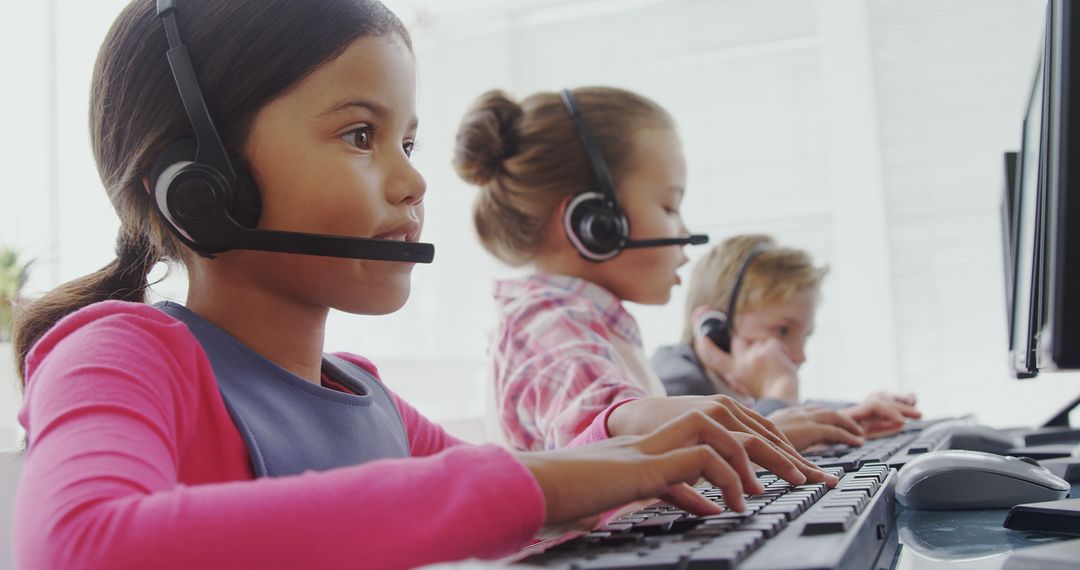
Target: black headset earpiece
(714, 324)
(593, 221)
(209, 198)
(720, 326)
(596, 231)
(188, 193)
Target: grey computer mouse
(958, 479)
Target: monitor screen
(1043, 248)
(1008, 231)
(1022, 325)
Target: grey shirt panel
(290, 425)
(683, 375)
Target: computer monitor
(1021, 202)
(1008, 228)
(1042, 247)
(1060, 344)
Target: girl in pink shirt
(208, 435)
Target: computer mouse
(956, 479)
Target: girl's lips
(406, 232)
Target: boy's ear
(698, 314)
(699, 311)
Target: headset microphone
(211, 202)
(692, 239)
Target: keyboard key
(617, 561)
(858, 502)
(711, 531)
(726, 551)
(789, 511)
(873, 476)
(721, 558)
(615, 527)
(622, 538)
(657, 524)
(817, 488)
(838, 510)
(834, 471)
(768, 527)
(779, 519)
(827, 524)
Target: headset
(212, 203)
(718, 326)
(594, 222)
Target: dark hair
(527, 157)
(246, 53)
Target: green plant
(13, 275)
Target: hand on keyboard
(786, 527)
(579, 482)
(809, 425)
(883, 413)
(645, 415)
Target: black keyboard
(786, 527)
(894, 450)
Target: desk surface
(957, 539)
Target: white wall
(953, 80)
(868, 132)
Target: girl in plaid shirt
(568, 181)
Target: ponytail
(123, 279)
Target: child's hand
(883, 413)
(759, 369)
(718, 364)
(764, 368)
(810, 425)
(643, 416)
(579, 482)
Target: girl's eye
(783, 332)
(360, 137)
(408, 147)
(671, 211)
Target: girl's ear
(146, 183)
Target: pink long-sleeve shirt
(134, 462)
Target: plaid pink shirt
(555, 365)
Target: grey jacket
(683, 375)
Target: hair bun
(488, 136)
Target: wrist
(615, 417)
(785, 388)
(535, 464)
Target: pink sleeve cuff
(597, 430)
